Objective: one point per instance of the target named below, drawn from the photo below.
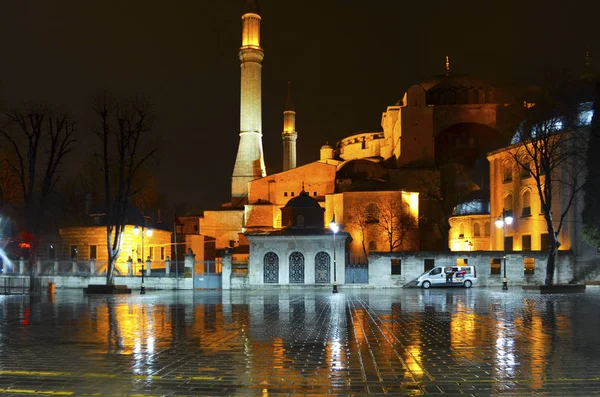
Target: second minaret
(289, 134)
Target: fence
(87, 268)
(14, 285)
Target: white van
(448, 276)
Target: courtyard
(273, 342)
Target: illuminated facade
(363, 216)
(89, 242)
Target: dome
(456, 89)
(303, 200)
(455, 82)
(326, 146)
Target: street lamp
(334, 228)
(505, 218)
(136, 231)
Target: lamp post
(136, 231)
(334, 228)
(504, 219)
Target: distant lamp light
(136, 230)
(499, 223)
(149, 232)
(334, 228)
(468, 245)
(508, 220)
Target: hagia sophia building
(430, 155)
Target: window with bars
(372, 213)
(495, 265)
(529, 265)
(396, 267)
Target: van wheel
(426, 284)
(468, 284)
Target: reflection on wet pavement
(301, 341)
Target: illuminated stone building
(514, 191)
(299, 253)
(84, 243)
(449, 118)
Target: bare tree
(125, 134)
(360, 221)
(550, 146)
(396, 221)
(38, 139)
(10, 189)
(445, 185)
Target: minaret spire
(251, 7)
(447, 65)
(249, 163)
(289, 134)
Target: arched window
(296, 268)
(507, 170)
(271, 268)
(461, 230)
(508, 204)
(476, 231)
(372, 213)
(486, 229)
(322, 268)
(526, 200)
(300, 221)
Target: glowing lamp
(149, 232)
(334, 226)
(136, 230)
(499, 223)
(508, 220)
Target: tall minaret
(289, 133)
(249, 163)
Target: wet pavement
(301, 342)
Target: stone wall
(278, 189)
(223, 225)
(347, 206)
(413, 265)
(284, 246)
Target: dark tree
(38, 140)
(126, 137)
(591, 210)
(549, 146)
(396, 222)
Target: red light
(24, 245)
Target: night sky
(347, 61)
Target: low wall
(156, 283)
(413, 265)
(239, 282)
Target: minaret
(289, 133)
(447, 65)
(249, 163)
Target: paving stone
(272, 342)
